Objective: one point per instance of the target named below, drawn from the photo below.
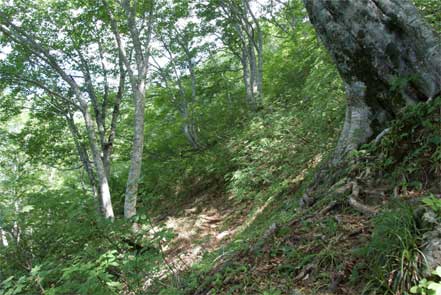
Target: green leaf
(436, 140)
(114, 284)
(435, 286)
(437, 271)
(27, 208)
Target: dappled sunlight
(219, 147)
(205, 225)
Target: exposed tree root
(357, 205)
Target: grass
(314, 252)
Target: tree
(241, 32)
(139, 20)
(74, 61)
(183, 46)
(58, 64)
(387, 56)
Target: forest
(202, 147)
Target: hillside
(220, 147)
(364, 232)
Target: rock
(306, 201)
(431, 238)
(429, 217)
(432, 252)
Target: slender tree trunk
(375, 44)
(253, 74)
(16, 230)
(137, 149)
(189, 127)
(246, 77)
(41, 52)
(103, 184)
(190, 134)
(3, 238)
(108, 147)
(259, 78)
(137, 81)
(84, 157)
(255, 35)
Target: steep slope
(364, 231)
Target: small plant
(433, 203)
(394, 258)
(272, 291)
(428, 287)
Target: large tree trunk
(377, 45)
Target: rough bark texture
(377, 45)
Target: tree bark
(253, 73)
(103, 183)
(137, 149)
(18, 35)
(83, 154)
(3, 238)
(181, 101)
(140, 38)
(251, 44)
(108, 147)
(259, 78)
(377, 45)
(256, 35)
(246, 78)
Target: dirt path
(204, 225)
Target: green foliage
(272, 291)
(409, 154)
(75, 251)
(289, 135)
(57, 244)
(433, 203)
(429, 287)
(392, 256)
(431, 10)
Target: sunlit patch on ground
(202, 226)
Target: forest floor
(204, 224)
(207, 224)
(360, 234)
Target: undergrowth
(341, 251)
